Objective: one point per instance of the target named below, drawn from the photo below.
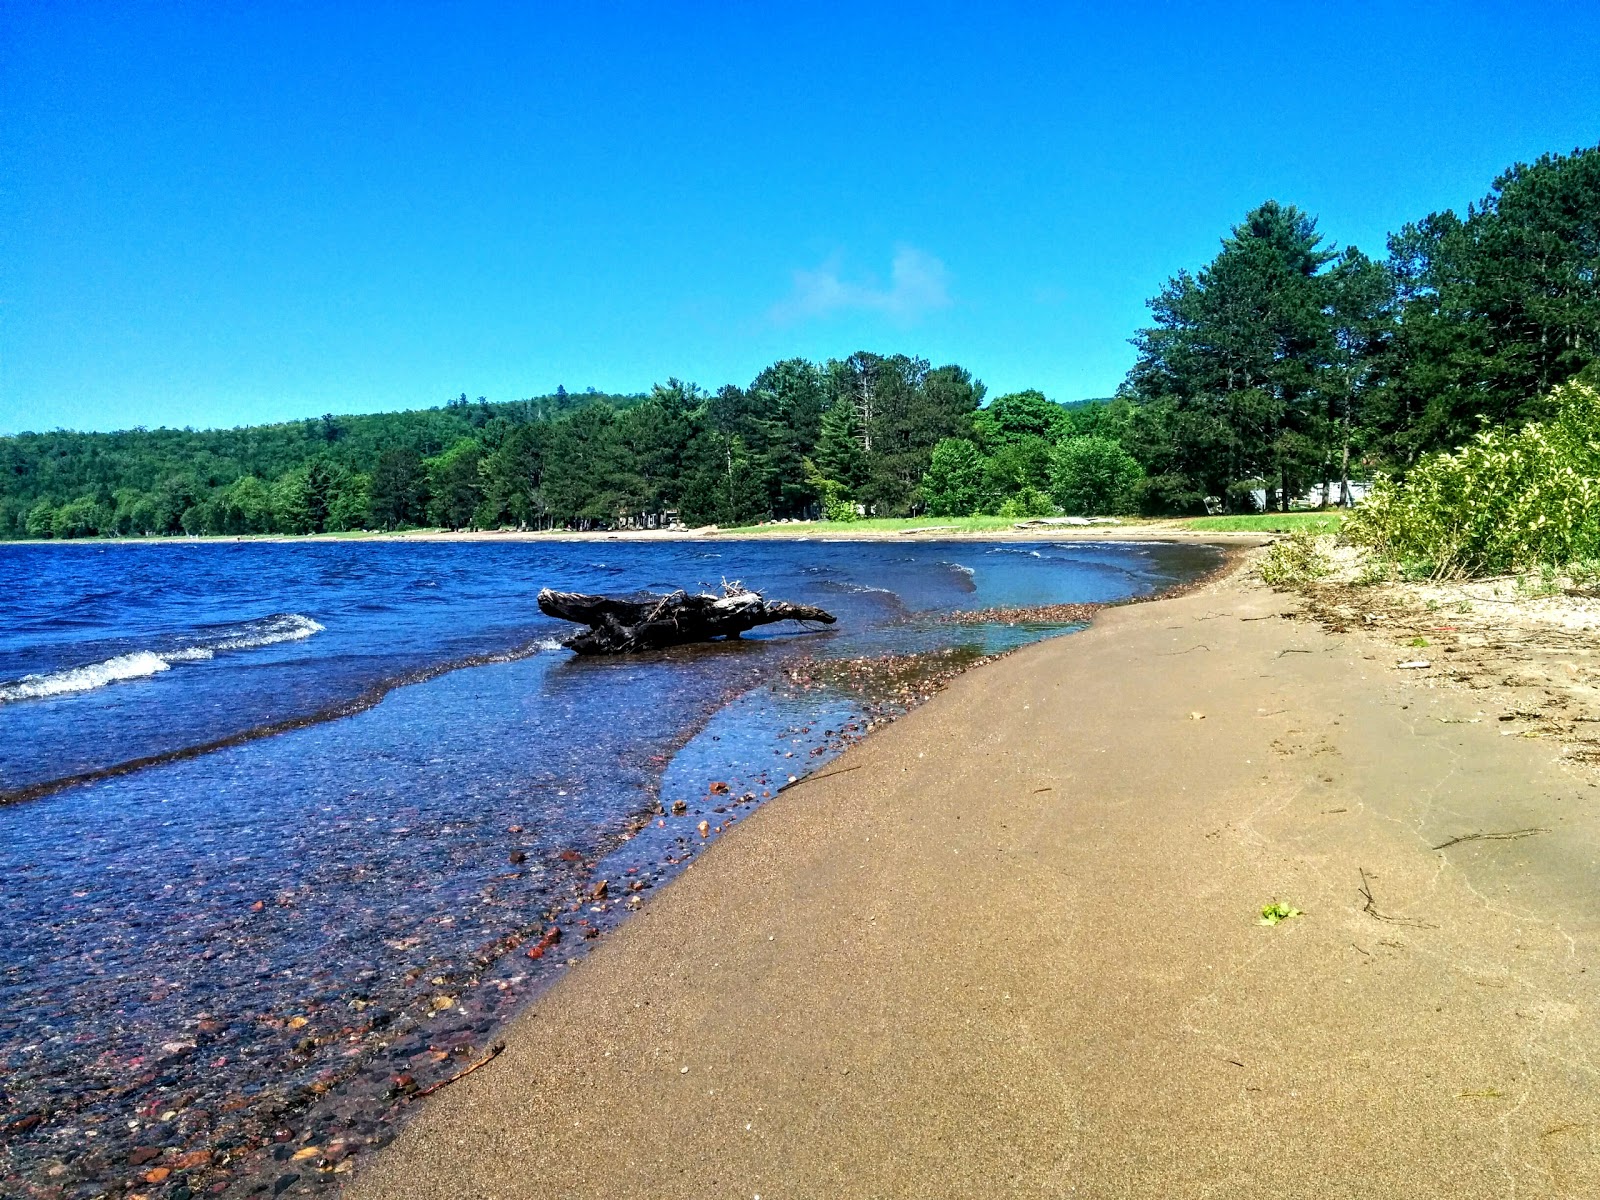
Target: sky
(225, 213)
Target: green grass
(1317, 522)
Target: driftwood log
(651, 620)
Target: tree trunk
(649, 620)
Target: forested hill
(178, 469)
(1282, 364)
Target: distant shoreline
(1130, 531)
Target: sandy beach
(1133, 529)
(1011, 945)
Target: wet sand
(1009, 945)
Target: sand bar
(1009, 946)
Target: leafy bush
(1506, 501)
(1029, 502)
(1095, 476)
(836, 502)
(41, 520)
(1295, 560)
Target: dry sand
(1010, 945)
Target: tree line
(1283, 365)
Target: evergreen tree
(455, 486)
(840, 459)
(1236, 354)
(398, 492)
(1495, 309)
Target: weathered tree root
(649, 620)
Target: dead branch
(1371, 907)
(494, 1052)
(1511, 836)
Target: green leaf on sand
(1275, 912)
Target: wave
(337, 710)
(141, 664)
(83, 679)
(844, 585)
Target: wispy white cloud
(918, 284)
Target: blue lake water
(328, 796)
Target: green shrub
(1095, 476)
(1294, 560)
(1506, 501)
(836, 502)
(1029, 502)
(41, 520)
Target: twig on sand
(1510, 836)
(818, 778)
(1190, 650)
(1371, 907)
(494, 1052)
(1268, 617)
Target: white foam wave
(140, 664)
(83, 679)
(269, 631)
(861, 588)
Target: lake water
(288, 818)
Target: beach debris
(719, 788)
(1045, 522)
(1509, 836)
(1197, 716)
(494, 1052)
(1415, 664)
(652, 620)
(1277, 912)
(1034, 614)
(1370, 907)
(705, 828)
(679, 807)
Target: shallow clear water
(215, 950)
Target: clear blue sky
(222, 213)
